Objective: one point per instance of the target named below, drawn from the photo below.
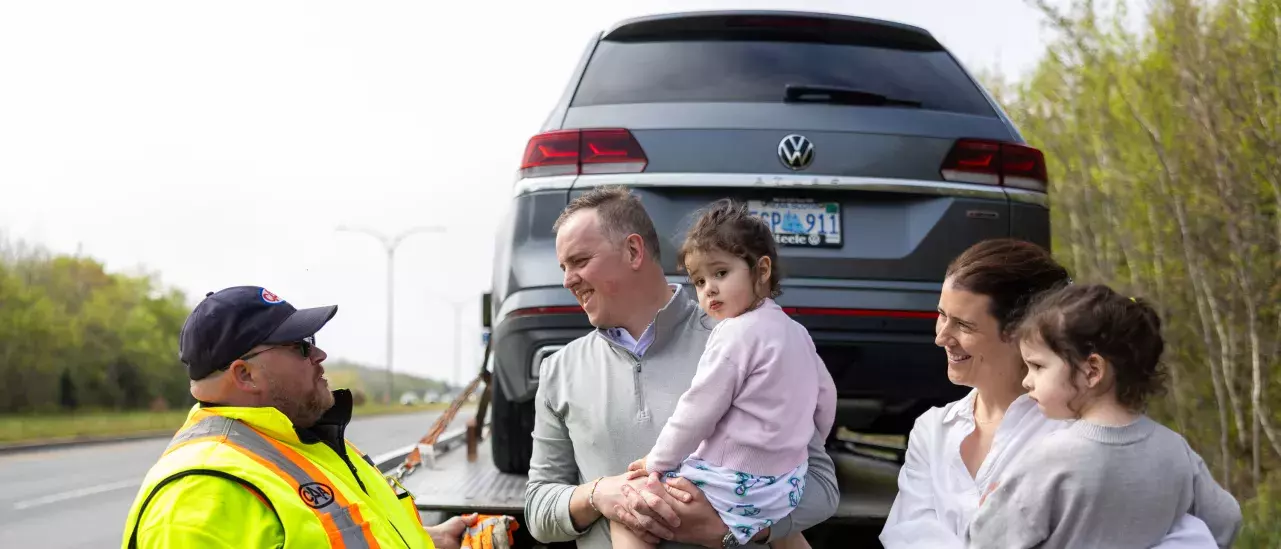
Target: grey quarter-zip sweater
(599, 407)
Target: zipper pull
(642, 409)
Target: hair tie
(1134, 300)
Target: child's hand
(638, 465)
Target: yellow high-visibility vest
(321, 498)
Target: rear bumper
(522, 341)
(876, 337)
(885, 365)
(884, 380)
(808, 181)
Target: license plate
(799, 223)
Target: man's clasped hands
(658, 508)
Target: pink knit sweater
(760, 393)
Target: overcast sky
(221, 143)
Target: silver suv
(870, 151)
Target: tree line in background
(73, 336)
(1165, 160)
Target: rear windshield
(759, 71)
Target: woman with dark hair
(957, 452)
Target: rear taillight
(572, 152)
(996, 163)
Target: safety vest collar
(273, 422)
(336, 512)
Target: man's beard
(304, 411)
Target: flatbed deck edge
(451, 484)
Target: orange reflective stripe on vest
(329, 505)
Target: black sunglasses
(304, 346)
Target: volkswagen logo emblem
(796, 152)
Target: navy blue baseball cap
(229, 323)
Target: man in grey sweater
(604, 398)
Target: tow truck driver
(261, 460)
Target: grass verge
(38, 427)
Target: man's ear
(244, 376)
(1094, 370)
(634, 248)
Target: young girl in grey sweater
(1114, 478)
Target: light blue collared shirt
(624, 338)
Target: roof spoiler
(773, 25)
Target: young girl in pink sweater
(741, 432)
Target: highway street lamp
(457, 305)
(390, 244)
(458, 340)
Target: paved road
(78, 497)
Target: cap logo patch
(270, 298)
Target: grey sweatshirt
(599, 407)
(1100, 487)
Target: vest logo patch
(316, 495)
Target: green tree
(1165, 162)
(74, 336)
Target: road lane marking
(73, 494)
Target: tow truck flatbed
(454, 485)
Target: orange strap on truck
(415, 458)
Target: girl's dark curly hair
(726, 225)
(1079, 320)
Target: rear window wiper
(813, 93)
